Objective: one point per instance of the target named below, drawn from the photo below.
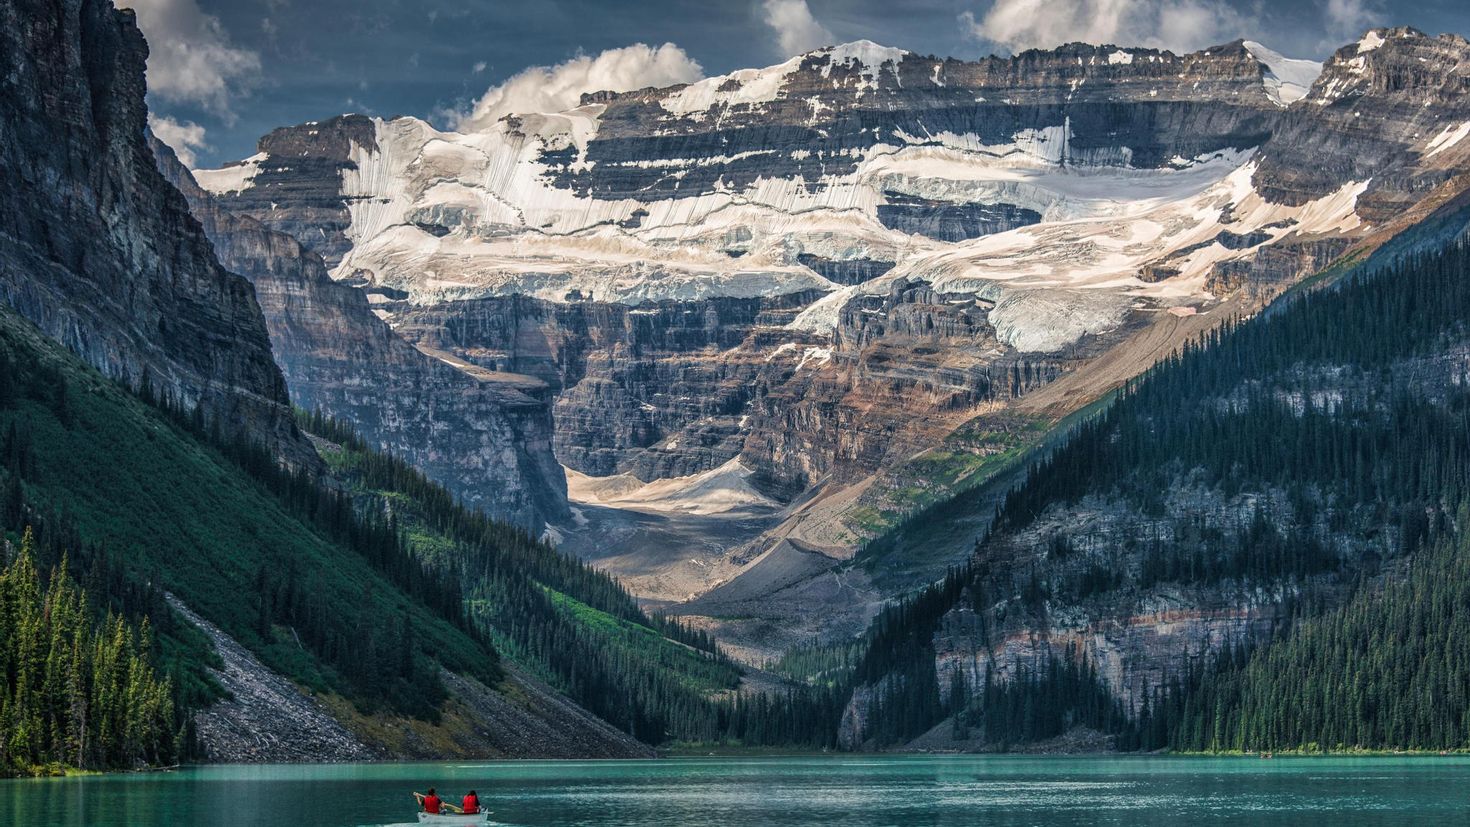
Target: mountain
(1257, 547)
(486, 436)
(99, 251)
(1098, 396)
(266, 584)
(784, 310)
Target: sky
(221, 73)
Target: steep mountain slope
(1312, 456)
(486, 436)
(867, 278)
(362, 629)
(97, 249)
(346, 604)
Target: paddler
(430, 801)
(471, 804)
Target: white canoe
(453, 818)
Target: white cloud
(560, 87)
(1180, 25)
(1347, 19)
(480, 66)
(797, 31)
(191, 59)
(184, 137)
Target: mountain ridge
(946, 241)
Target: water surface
(853, 791)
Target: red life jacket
(471, 804)
(431, 804)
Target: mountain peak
(865, 52)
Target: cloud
(1347, 19)
(184, 138)
(191, 59)
(797, 31)
(560, 87)
(480, 66)
(1181, 25)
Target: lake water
(853, 791)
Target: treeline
(898, 664)
(491, 544)
(510, 580)
(76, 691)
(1037, 702)
(376, 640)
(817, 663)
(1248, 402)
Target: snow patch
(868, 56)
(1287, 80)
(230, 179)
(750, 87)
(1447, 138)
(1120, 57)
(817, 356)
(1370, 41)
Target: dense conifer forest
(78, 688)
(1353, 402)
(1348, 400)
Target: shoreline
(684, 753)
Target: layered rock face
(863, 274)
(97, 249)
(486, 437)
(660, 390)
(814, 117)
(302, 196)
(1391, 109)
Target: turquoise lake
(849, 790)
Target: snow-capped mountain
(831, 268)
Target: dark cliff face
(487, 440)
(97, 249)
(297, 188)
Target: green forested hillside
(1352, 404)
(572, 625)
(1389, 670)
(143, 507)
(353, 586)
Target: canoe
(453, 818)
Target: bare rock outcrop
(265, 718)
(98, 250)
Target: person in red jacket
(471, 805)
(429, 802)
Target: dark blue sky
(238, 68)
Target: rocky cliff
(870, 278)
(485, 436)
(1390, 109)
(97, 249)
